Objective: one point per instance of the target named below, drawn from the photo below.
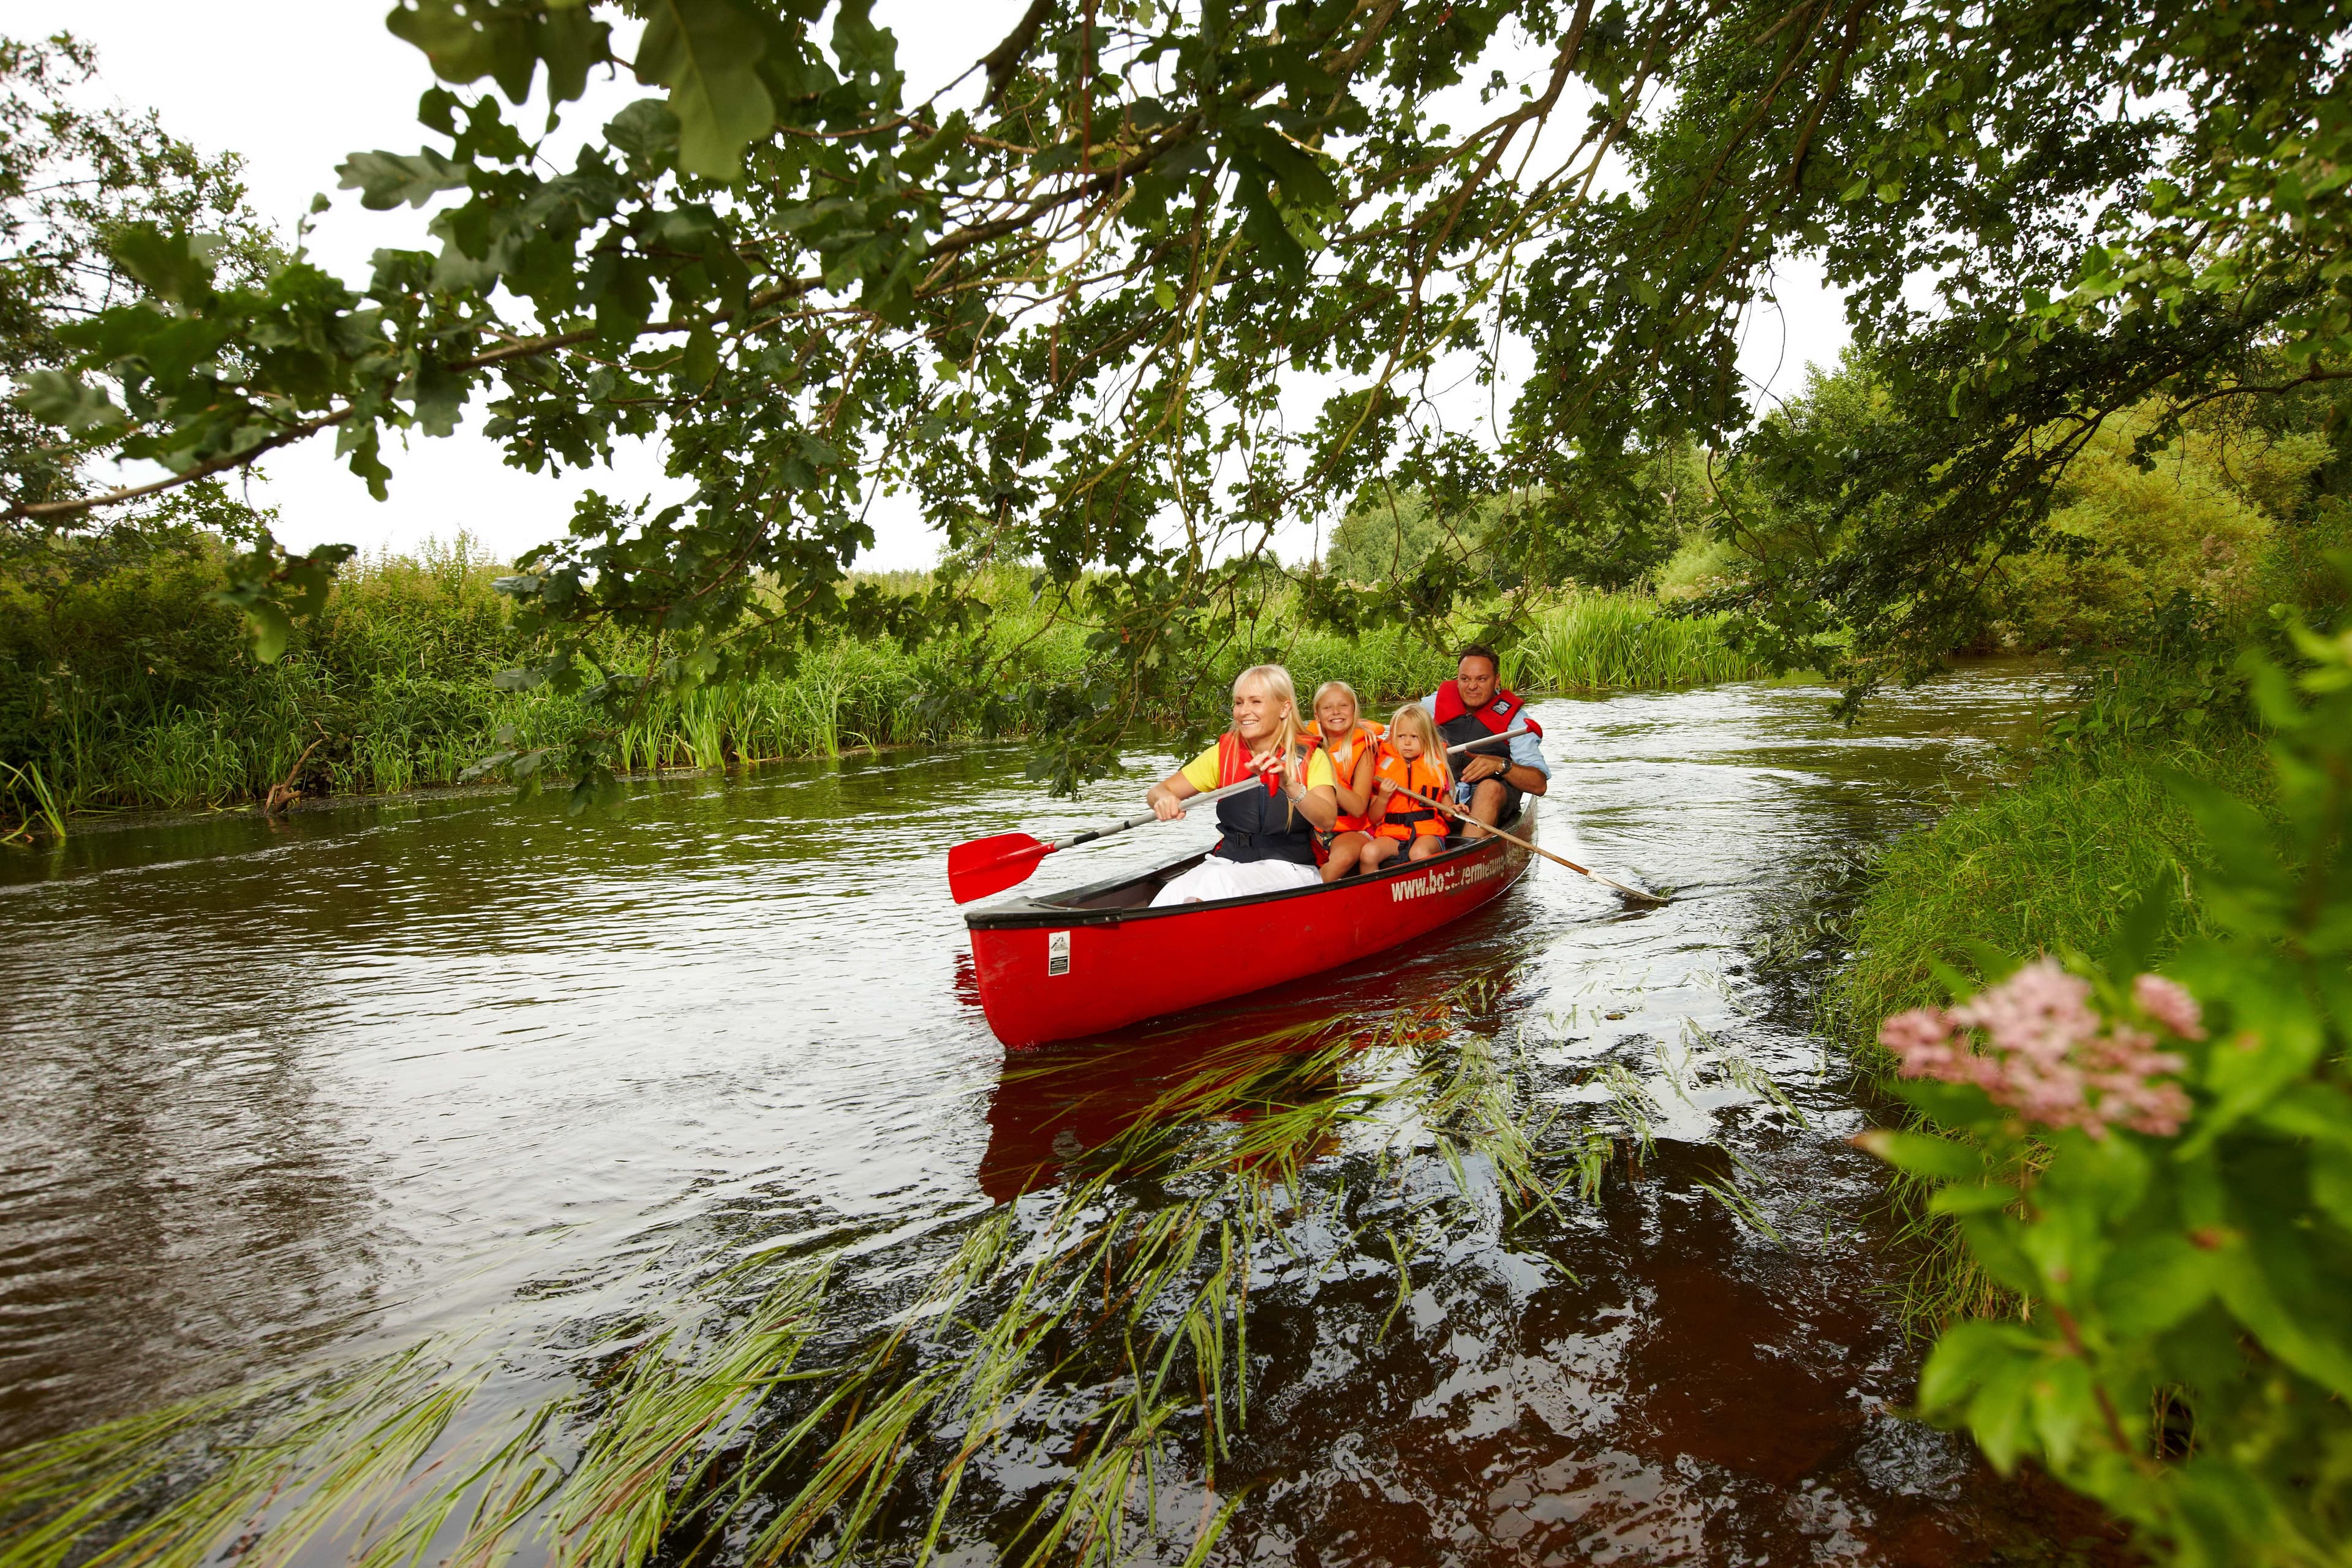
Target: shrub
(2160, 1170)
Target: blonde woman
(1268, 842)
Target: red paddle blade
(986, 866)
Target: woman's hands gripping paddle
(985, 866)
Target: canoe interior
(1126, 898)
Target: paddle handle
(1450, 809)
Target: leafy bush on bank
(2045, 864)
(2158, 1172)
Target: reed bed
(133, 692)
(1620, 642)
(1096, 1329)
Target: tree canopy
(1058, 301)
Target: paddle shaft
(1255, 781)
(1450, 809)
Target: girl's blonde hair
(1278, 683)
(1414, 720)
(1341, 686)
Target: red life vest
(1455, 722)
(1407, 817)
(1235, 763)
(1343, 763)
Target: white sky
(296, 85)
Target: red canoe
(1096, 958)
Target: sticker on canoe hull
(1452, 880)
(1057, 954)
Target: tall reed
(1615, 642)
(45, 802)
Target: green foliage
(1610, 642)
(70, 179)
(126, 680)
(2184, 1355)
(2124, 539)
(810, 286)
(1389, 534)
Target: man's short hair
(1480, 650)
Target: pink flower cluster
(2049, 1057)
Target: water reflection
(277, 1090)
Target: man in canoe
(1489, 783)
(1268, 841)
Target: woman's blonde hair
(1278, 683)
(1328, 688)
(1413, 719)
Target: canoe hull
(1088, 961)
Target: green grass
(1616, 642)
(2047, 865)
(132, 689)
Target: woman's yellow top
(1201, 772)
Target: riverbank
(131, 689)
(2048, 863)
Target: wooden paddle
(1450, 809)
(984, 866)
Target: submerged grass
(1101, 1323)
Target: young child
(1353, 746)
(1411, 759)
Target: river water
(278, 1094)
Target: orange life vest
(1343, 763)
(1407, 817)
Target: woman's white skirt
(1218, 878)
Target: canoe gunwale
(1024, 913)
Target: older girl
(1268, 842)
(1411, 759)
(1354, 747)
